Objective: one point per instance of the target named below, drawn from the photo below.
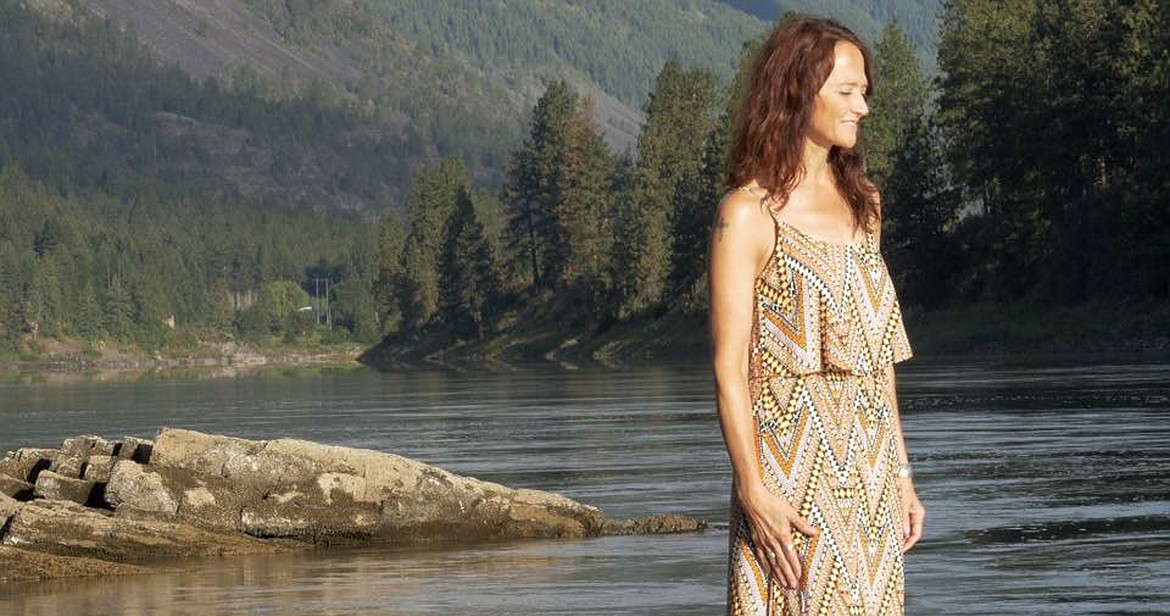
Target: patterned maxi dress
(827, 325)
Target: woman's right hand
(771, 522)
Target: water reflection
(603, 576)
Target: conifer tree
(899, 103)
(919, 208)
(583, 181)
(531, 189)
(469, 273)
(679, 117)
(389, 280)
(429, 208)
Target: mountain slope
(462, 74)
(917, 18)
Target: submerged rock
(193, 494)
(17, 565)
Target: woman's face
(840, 103)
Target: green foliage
(98, 267)
(680, 117)
(1055, 118)
(390, 279)
(531, 188)
(83, 108)
(899, 105)
(616, 44)
(469, 271)
(355, 310)
(274, 310)
(430, 208)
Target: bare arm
(737, 254)
(913, 513)
(741, 242)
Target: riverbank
(57, 359)
(979, 330)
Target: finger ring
(771, 556)
(788, 547)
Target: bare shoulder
(740, 208)
(742, 226)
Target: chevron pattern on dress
(827, 325)
(823, 306)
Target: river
(1047, 486)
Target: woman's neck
(815, 163)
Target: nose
(862, 107)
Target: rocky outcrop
(186, 494)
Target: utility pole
(327, 314)
(317, 301)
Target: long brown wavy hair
(776, 108)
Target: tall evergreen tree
(583, 181)
(994, 69)
(389, 279)
(899, 103)
(469, 273)
(531, 189)
(699, 194)
(919, 210)
(1044, 125)
(679, 116)
(429, 208)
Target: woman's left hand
(913, 514)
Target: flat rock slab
(299, 489)
(65, 528)
(17, 565)
(99, 506)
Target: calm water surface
(1047, 487)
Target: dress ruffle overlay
(827, 325)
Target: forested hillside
(919, 19)
(84, 107)
(459, 75)
(139, 205)
(160, 203)
(616, 44)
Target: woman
(805, 329)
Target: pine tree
(679, 117)
(531, 189)
(389, 279)
(118, 314)
(583, 181)
(898, 106)
(470, 283)
(429, 208)
(919, 210)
